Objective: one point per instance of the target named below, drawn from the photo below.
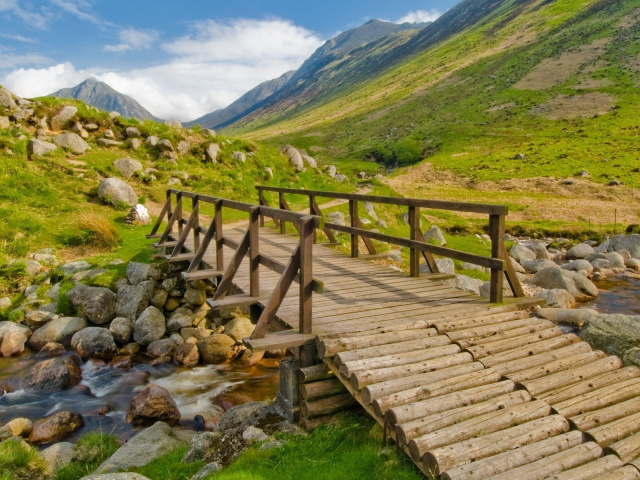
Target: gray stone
(138, 272)
(578, 265)
(5, 302)
(574, 283)
(332, 171)
(631, 243)
(149, 326)
(199, 446)
(107, 142)
(18, 427)
(467, 284)
(337, 218)
(340, 178)
(152, 141)
(63, 118)
(295, 159)
(87, 274)
(127, 166)
(58, 455)
(96, 304)
(216, 349)
(600, 263)
(569, 316)
(161, 348)
(485, 290)
(94, 342)
(183, 147)
(159, 298)
(165, 145)
(121, 328)
(534, 266)
(254, 435)
(269, 172)
(212, 152)
(53, 374)
(370, 209)
(615, 260)
(239, 156)
(147, 445)
(540, 249)
(59, 330)
(445, 265)
(521, 253)
(239, 328)
(132, 300)
(38, 148)
(13, 338)
(116, 476)
(115, 191)
(207, 471)
(37, 318)
(310, 161)
(73, 267)
(236, 416)
(132, 132)
(177, 322)
(71, 142)
(434, 236)
(614, 334)
(633, 264)
(135, 144)
(582, 250)
(195, 297)
(557, 297)
(7, 99)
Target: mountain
(244, 103)
(102, 96)
(282, 87)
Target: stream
(618, 294)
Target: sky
(180, 59)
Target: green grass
(170, 467)
(90, 451)
(20, 461)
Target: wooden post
(261, 202)
(178, 212)
(353, 213)
(217, 222)
(308, 354)
(312, 203)
(254, 253)
(414, 234)
(282, 202)
(196, 222)
(496, 231)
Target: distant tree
(407, 151)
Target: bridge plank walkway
(468, 389)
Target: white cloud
(133, 39)
(33, 18)
(204, 71)
(77, 8)
(420, 16)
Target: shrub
(97, 231)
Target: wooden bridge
(470, 388)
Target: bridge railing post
(254, 253)
(353, 214)
(195, 210)
(217, 222)
(307, 354)
(414, 234)
(496, 232)
(283, 206)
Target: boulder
(135, 144)
(340, 178)
(132, 132)
(434, 236)
(239, 328)
(152, 141)
(138, 272)
(165, 145)
(521, 253)
(127, 166)
(107, 142)
(212, 152)
(59, 330)
(574, 283)
(161, 348)
(149, 326)
(183, 147)
(332, 171)
(295, 159)
(633, 264)
(337, 218)
(53, 374)
(18, 427)
(582, 250)
(63, 118)
(71, 142)
(6, 99)
(96, 304)
(186, 355)
(615, 260)
(38, 148)
(115, 191)
(578, 265)
(631, 243)
(467, 284)
(51, 350)
(151, 405)
(59, 455)
(540, 249)
(216, 348)
(55, 428)
(131, 300)
(612, 333)
(147, 445)
(116, 476)
(557, 297)
(445, 265)
(534, 266)
(121, 328)
(15, 336)
(177, 322)
(74, 267)
(200, 445)
(239, 156)
(94, 342)
(138, 215)
(195, 297)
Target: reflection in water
(618, 294)
(194, 390)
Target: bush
(97, 231)
(20, 461)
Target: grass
(20, 461)
(97, 231)
(90, 451)
(170, 467)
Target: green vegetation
(20, 461)
(90, 451)
(170, 467)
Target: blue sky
(179, 59)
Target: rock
(612, 333)
(135, 144)
(236, 416)
(121, 328)
(131, 300)
(337, 218)
(74, 267)
(116, 476)
(56, 427)
(574, 283)
(115, 191)
(310, 161)
(187, 355)
(107, 142)
(269, 172)
(631, 243)
(199, 446)
(53, 375)
(151, 405)
(239, 156)
(557, 297)
(94, 342)
(132, 132)
(216, 348)
(615, 260)
(13, 337)
(51, 350)
(183, 147)
(177, 322)
(521, 253)
(540, 249)
(340, 178)
(207, 471)
(138, 272)
(18, 427)
(38, 148)
(96, 304)
(467, 284)
(149, 326)
(248, 358)
(58, 455)
(5, 302)
(239, 328)
(332, 171)
(147, 445)
(127, 166)
(445, 265)
(633, 264)
(582, 250)
(371, 211)
(578, 265)
(161, 348)
(165, 145)
(534, 266)
(71, 142)
(138, 215)
(59, 330)
(254, 435)
(6, 99)
(63, 118)
(152, 141)
(434, 236)
(600, 263)
(195, 297)
(485, 290)
(295, 159)
(212, 152)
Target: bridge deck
(468, 389)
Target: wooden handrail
(498, 262)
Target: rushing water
(204, 390)
(618, 294)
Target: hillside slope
(102, 96)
